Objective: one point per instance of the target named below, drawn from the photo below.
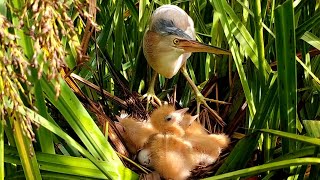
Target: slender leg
(150, 95)
(201, 99)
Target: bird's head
(166, 116)
(188, 120)
(170, 40)
(180, 38)
(164, 32)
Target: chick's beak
(179, 114)
(193, 118)
(195, 46)
(182, 111)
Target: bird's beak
(193, 118)
(182, 111)
(195, 46)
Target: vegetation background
(68, 67)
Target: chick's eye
(176, 41)
(168, 118)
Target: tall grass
(68, 67)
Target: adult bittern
(168, 44)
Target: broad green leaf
(287, 73)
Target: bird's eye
(168, 118)
(176, 41)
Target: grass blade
(266, 167)
(44, 136)
(311, 39)
(296, 137)
(287, 73)
(259, 39)
(26, 151)
(81, 167)
(308, 70)
(118, 46)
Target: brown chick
(191, 126)
(206, 147)
(166, 119)
(136, 133)
(170, 156)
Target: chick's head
(166, 117)
(188, 120)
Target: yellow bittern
(167, 45)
